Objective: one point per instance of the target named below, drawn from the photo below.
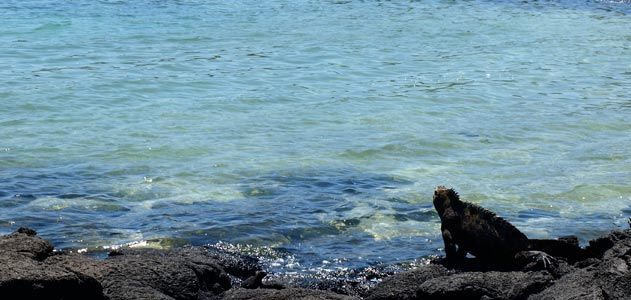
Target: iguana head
(444, 198)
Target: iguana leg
(461, 253)
(535, 260)
(450, 246)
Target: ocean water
(316, 128)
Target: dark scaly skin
(469, 228)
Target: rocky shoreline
(30, 269)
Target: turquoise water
(317, 127)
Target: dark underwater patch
(422, 215)
(330, 182)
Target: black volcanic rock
(406, 285)
(606, 277)
(436, 282)
(23, 275)
(24, 279)
(605, 274)
(484, 285)
(25, 242)
(30, 270)
(237, 265)
(78, 263)
(187, 273)
(181, 274)
(599, 246)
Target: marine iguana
(255, 281)
(469, 228)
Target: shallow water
(319, 128)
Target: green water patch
(83, 205)
(585, 198)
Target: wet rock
(343, 286)
(406, 285)
(241, 266)
(351, 282)
(285, 294)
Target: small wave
(408, 149)
(52, 26)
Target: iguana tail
(566, 247)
